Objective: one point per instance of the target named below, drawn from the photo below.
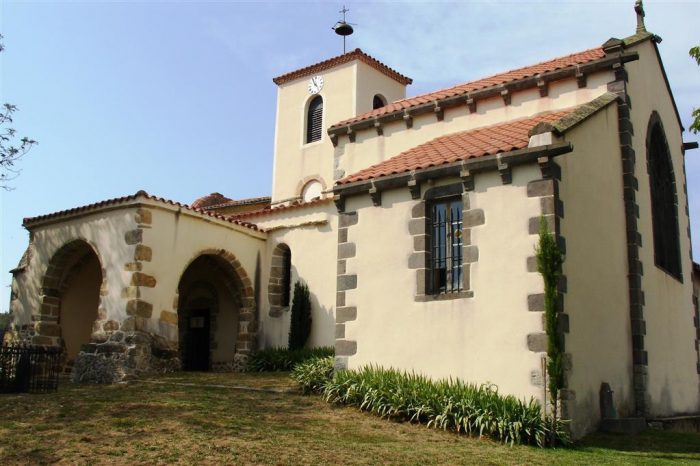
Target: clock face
(315, 84)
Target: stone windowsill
(426, 298)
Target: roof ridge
(132, 197)
(586, 56)
(491, 76)
(339, 60)
(560, 114)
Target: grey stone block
(418, 210)
(345, 347)
(347, 282)
(343, 235)
(537, 342)
(347, 219)
(345, 314)
(416, 260)
(474, 218)
(339, 331)
(535, 302)
(346, 250)
(342, 266)
(470, 254)
(416, 226)
(540, 188)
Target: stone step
(688, 423)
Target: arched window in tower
(664, 210)
(378, 102)
(314, 119)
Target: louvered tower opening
(314, 120)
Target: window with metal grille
(378, 102)
(445, 230)
(314, 120)
(664, 210)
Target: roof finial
(342, 28)
(639, 9)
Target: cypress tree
(300, 325)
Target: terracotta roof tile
(356, 54)
(274, 210)
(501, 78)
(28, 221)
(470, 144)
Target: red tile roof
(502, 78)
(274, 210)
(470, 144)
(28, 221)
(356, 54)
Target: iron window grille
(445, 246)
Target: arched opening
(212, 301)
(314, 120)
(280, 285)
(71, 299)
(664, 209)
(378, 101)
(311, 190)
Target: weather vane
(343, 28)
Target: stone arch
(72, 288)
(233, 279)
(301, 185)
(280, 283)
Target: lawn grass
(175, 422)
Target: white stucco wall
(104, 231)
(176, 239)
(673, 382)
(311, 236)
(596, 300)
(480, 339)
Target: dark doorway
(197, 347)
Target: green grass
(166, 423)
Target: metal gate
(29, 369)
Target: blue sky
(177, 97)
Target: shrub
(283, 359)
(300, 323)
(446, 404)
(314, 374)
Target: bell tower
(313, 98)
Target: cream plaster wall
(596, 299)
(105, 232)
(311, 236)
(347, 91)
(371, 82)
(295, 160)
(176, 239)
(673, 381)
(480, 339)
(369, 148)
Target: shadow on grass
(650, 444)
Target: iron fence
(29, 369)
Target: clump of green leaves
(300, 324)
(695, 125)
(549, 263)
(314, 374)
(283, 359)
(448, 404)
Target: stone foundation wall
(125, 356)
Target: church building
(413, 221)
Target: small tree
(11, 150)
(549, 262)
(300, 325)
(695, 125)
